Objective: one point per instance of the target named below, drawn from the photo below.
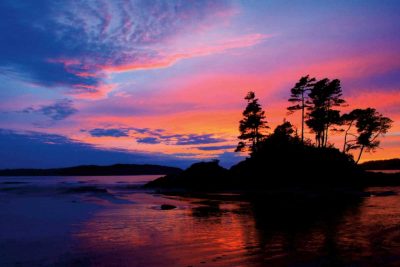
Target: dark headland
(94, 170)
(387, 164)
(283, 166)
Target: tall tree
(323, 97)
(349, 120)
(298, 95)
(252, 125)
(370, 125)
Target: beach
(69, 221)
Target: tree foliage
(320, 102)
(298, 96)
(370, 124)
(252, 126)
(324, 96)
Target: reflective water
(385, 171)
(126, 227)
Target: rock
(167, 207)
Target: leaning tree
(369, 124)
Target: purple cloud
(75, 41)
(98, 132)
(60, 110)
(148, 140)
(156, 136)
(197, 139)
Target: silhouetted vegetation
(252, 125)
(282, 159)
(369, 124)
(199, 176)
(299, 97)
(324, 96)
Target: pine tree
(252, 125)
(323, 97)
(298, 96)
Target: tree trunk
(302, 117)
(359, 155)
(345, 136)
(256, 143)
(253, 147)
(322, 141)
(326, 135)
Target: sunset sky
(102, 82)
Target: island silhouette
(283, 158)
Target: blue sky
(164, 81)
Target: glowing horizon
(164, 83)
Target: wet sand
(45, 223)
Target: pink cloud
(92, 92)
(166, 60)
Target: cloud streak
(60, 110)
(156, 136)
(98, 132)
(77, 43)
(213, 148)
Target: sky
(130, 81)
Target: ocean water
(385, 171)
(73, 221)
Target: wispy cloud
(98, 132)
(162, 59)
(60, 110)
(212, 148)
(78, 42)
(148, 140)
(156, 136)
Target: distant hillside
(389, 164)
(86, 170)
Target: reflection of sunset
(233, 233)
(152, 236)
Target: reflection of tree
(303, 228)
(207, 209)
(279, 229)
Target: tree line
(319, 102)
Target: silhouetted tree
(323, 97)
(298, 97)
(349, 120)
(284, 130)
(252, 125)
(370, 125)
